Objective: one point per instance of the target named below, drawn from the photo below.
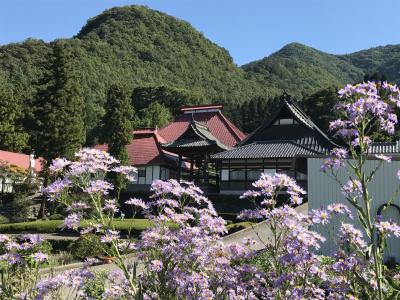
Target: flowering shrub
(190, 261)
(20, 260)
(181, 255)
(366, 108)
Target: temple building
(182, 149)
(282, 144)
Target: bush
(61, 245)
(88, 245)
(3, 219)
(21, 207)
(56, 217)
(39, 226)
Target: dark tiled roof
(270, 149)
(315, 137)
(196, 135)
(385, 148)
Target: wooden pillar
(191, 168)
(205, 169)
(179, 167)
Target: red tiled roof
(144, 149)
(223, 129)
(20, 160)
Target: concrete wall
(323, 190)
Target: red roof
(223, 129)
(144, 149)
(20, 160)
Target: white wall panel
(323, 190)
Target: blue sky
(249, 29)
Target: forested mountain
(138, 47)
(302, 70)
(159, 58)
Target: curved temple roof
(300, 138)
(196, 135)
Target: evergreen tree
(59, 109)
(173, 98)
(12, 135)
(117, 127)
(156, 115)
(319, 107)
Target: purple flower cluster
(269, 185)
(99, 186)
(73, 280)
(336, 160)
(361, 105)
(388, 228)
(190, 261)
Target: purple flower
(110, 206)
(388, 228)
(128, 171)
(352, 188)
(383, 157)
(99, 186)
(79, 206)
(110, 236)
(72, 221)
(137, 202)
(156, 265)
(4, 238)
(58, 165)
(250, 194)
(352, 236)
(320, 216)
(40, 257)
(340, 153)
(339, 208)
(57, 188)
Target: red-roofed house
(146, 154)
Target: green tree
(173, 98)
(117, 127)
(59, 109)
(155, 115)
(12, 135)
(319, 106)
(57, 123)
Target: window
(237, 174)
(253, 175)
(142, 173)
(164, 173)
(270, 171)
(224, 175)
(141, 176)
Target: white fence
(323, 190)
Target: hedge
(134, 226)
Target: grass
(132, 226)
(238, 226)
(53, 226)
